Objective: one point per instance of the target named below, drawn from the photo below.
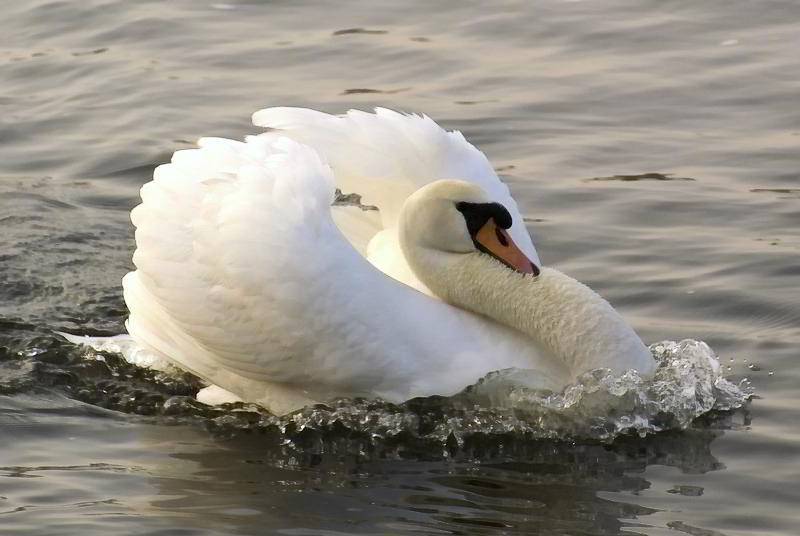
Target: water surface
(652, 147)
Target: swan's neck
(561, 314)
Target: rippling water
(652, 146)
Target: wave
(501, 410)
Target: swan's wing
(386, 156)
(242, 273)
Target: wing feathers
(386, 156)
(235, 246)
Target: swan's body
(248, 277)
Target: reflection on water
(540, 487)
(156, 476)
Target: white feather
(248, 277)
(387, 156)
(244, 279)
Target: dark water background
(653, 145)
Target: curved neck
(562, 315)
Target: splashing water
(688, 383)
(500, 409)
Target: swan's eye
(501, 237)
(487, 219)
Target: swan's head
(448, 219)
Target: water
(652, 147)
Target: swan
(251, 276)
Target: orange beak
(495, 241)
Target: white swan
(249, 277)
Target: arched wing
(386, 156)
(243, 274)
